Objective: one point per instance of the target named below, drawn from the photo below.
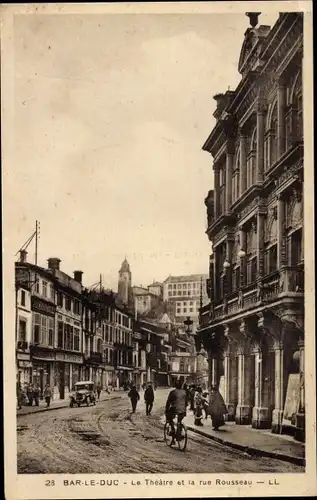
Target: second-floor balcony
(288, 281)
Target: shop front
(24, 369)
(67, 372)
(42, 367)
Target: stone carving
(259, 292)
(271, 226)
(295, 210)
(251, 242)
(254, 203)
(289, 173)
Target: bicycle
(180, 435)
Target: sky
(110, 115)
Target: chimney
(53, 263)
(78, 276)
(23, 255)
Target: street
(108, 439)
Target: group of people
(211, 405)
(32, 393)
(134, 396)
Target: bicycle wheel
(167, 434)
(182, 437)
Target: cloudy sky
(110, 114)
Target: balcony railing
(289, 279)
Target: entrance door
(62, 381)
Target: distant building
(183, 295)
(145, 299)
(125, 283)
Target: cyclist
(176, 404)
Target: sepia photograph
(154, 204)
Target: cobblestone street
(108, 439)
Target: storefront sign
(69, 358)
(40, 306)
(44, 355)
(23, 356)
(25, 364)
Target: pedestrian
(19, 397)
(192, 397)
(149, 398)
(30, 394)
(134, 397)
(217, 409)
(205, 404)
(36, 394)
(198, 407)
(155, 386)
(47, 395)
(99, 389)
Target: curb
(250, 450)
(60, 407)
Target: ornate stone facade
(253, 327)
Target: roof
(190, 277)
(156, 283)
(125, 267)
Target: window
(296, 248)
(236, 278)
(191, 309)
(178, 310)
(51, 332)
(60, 334)
(44, 289)
(185, 310)
(76, 339)
(68, 303)
(52, 292)
(23, 298)
(68, 331)
(22, 330)
(37, 286)
(60, 299)
(76, 307)
(251, 270)
(36, 328)
(272, 259)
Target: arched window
(99, 346)
(236, 177)
(270, 147)
(251, 159)
(294, 116)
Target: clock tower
(124, 283)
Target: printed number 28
(50, 482)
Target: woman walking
(134, 397)
(198, 407)
(217, 409)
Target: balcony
(288, 281)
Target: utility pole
(37, 234)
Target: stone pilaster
(217, 192)
(300, 417)
(243, 260)
(281, 95)
(243, 162)
(260, 124)
(260, 245)
(230, 374)
(229, 170)
(244, 407)
(281, 243)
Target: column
(260, 412)
(260, 126)
(209, 370)
(243, 163)
(217, 191)
(277, 415)
(243, 260)
(216, 280)
(231, 384)
(300, 416)
(281, 247)
(229, 247)
(214, 372)
(229, 169)
(90, 373)
(260, 245)
(70, 377)
(281, 118)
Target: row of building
(253, 325)
(66, 333)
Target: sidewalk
(63, 403)
(252, 441)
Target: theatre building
(253, 326)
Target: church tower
(125, 283)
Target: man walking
(47, 395)
(98, 391)
(149, 398)
(36, 394)
(134, 397)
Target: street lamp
(241, 254)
